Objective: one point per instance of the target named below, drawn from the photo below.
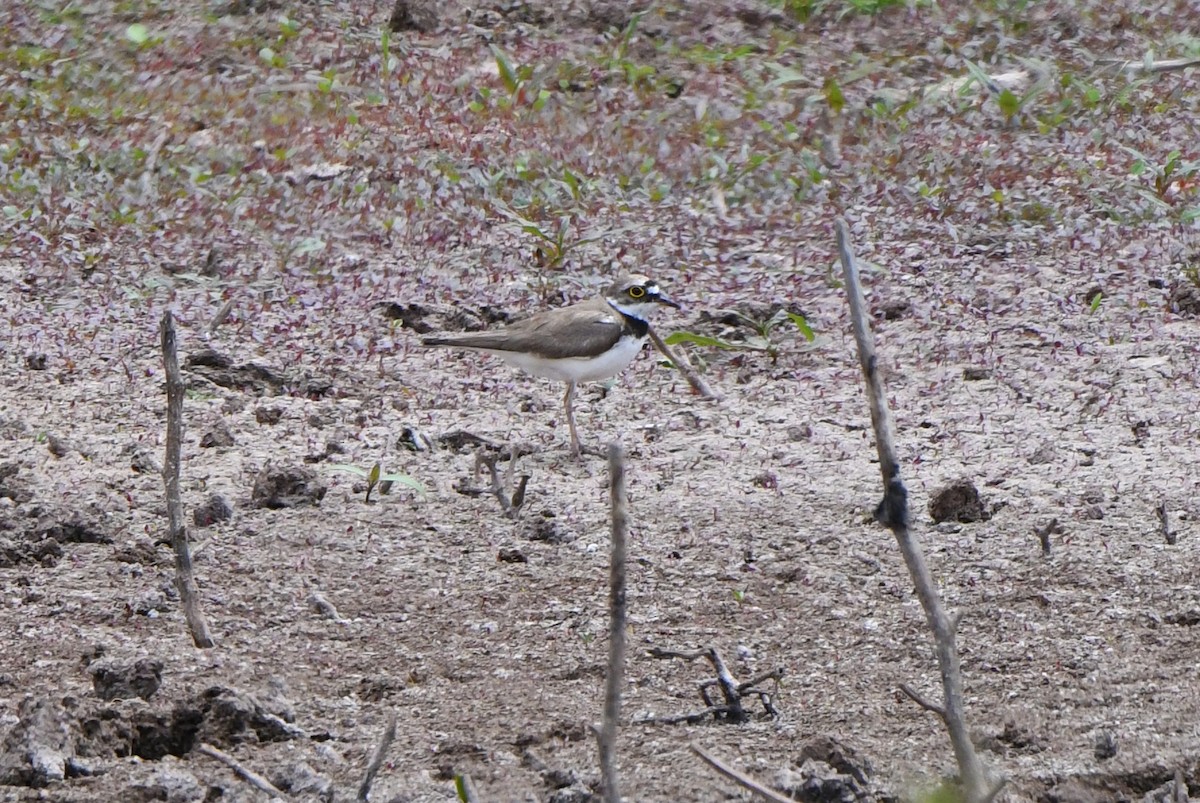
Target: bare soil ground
(1032, 275)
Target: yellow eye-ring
(637, 292)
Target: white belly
(577, 369)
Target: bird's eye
(637, 292)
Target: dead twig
(681, 362)
(249, 776)
(738, 777)
(510, 504)
(1180, 793)
(607, 736)
(317, 601)
(775, 674)
(732, 692)
(728, 686)
(1147, 66)
(1044, 533)
(690, 718)
(916, 697)
(221, 316)
(893, 513)
(381, 749)
(185, 580)
(1164, 523)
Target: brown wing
(580, 331)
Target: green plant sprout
(556, 243)
(759, 341)
(517, 81)
(375, 477)
(1163, 174)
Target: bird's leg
(568, 401)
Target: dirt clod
(299, 778)
(544, 527)
(34, 753)
(72, 528)
(218, 437)
(231, 717)
(1105, 745)
(1185, 299)
(287, 486)
(253, 378)
(510, 555)
(114, 680)
(215, 510)
(142, 551)
(12, 485)
(959, 501)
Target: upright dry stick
(893, 512)
(381, 750)
(616, 626)
(680, 361)
(185, 580)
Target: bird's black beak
(662, 299)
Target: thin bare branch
(681, 362)
(1164, 523)
(1135, 67)
(249, 776)
(916, 697)
(728, 685)
(1044, 533)
(381, 749)
(185, 579)
(893, 512)
(221, 316)
(996, 789)
(616, 626)
(1180, 793)
(738, 777)
(317, 601)
(660, 652)
(775, 674)
(692, 718)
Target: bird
(584, 342)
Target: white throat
(632, 310)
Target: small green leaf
(1095, 305)
(699, 340)
(137, 33)
(834, 96)
(373, 477)
(1009, 105)
(404, 479)
(508, 75)
(802, 324)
